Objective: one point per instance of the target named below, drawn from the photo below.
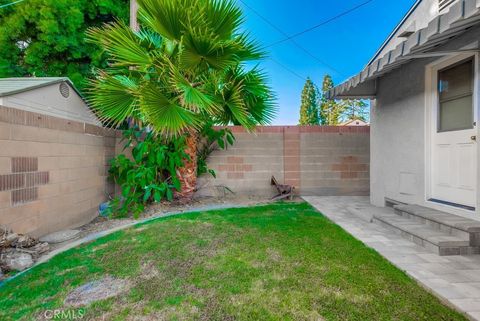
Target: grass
(276, 262)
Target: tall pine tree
(309, 114)
(330, 110)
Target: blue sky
(346, 44)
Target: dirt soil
(100, 224)
(97, 290)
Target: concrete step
(440, 242)
(442, 221)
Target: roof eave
(462, 15)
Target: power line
(292, 40)
(10, 4)
(344, 13)
(288, 69)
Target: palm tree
(185, 67)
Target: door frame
(431, 112)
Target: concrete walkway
(455, 279)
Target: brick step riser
(474, 237)
(442, 251)
(437, 226)
(412, 238)
(465, 250)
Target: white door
(454, 150)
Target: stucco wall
(316, 160)
(398, 132)
(52, 171)
(397, 136)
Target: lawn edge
(97, 235)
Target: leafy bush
(149, 175)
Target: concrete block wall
(335, 161)
(317, 160)
(52, 171)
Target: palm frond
(166, 17)
(234, 108)
(224, 17)
(193, 97)
(121, 43)
(183, 68)
(149, 39)
(259, 97)
(203, 47)
(113, 98)
(165, 115)
(248, 49)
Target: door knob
(474, 138)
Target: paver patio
(455, 279)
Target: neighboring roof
(462, 15)
(11, 86)
(355, 122)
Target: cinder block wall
(52, 171)
(317, 160)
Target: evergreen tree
(47, 37)
(355, 109)
(309, 114)
(330, 110)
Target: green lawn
(277, 262)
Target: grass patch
(276, 262)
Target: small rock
(61, 236)
(15, 261)
(24, 241)
(1, 275)
(7, 239)
(41, 248)
(37, 250)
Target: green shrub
(149, 175)
(149, 172)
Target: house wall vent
(443, 4)
(64, 90)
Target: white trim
(431, 96)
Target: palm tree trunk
(133, 15)
(188, 173)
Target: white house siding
(398, 130)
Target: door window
(455, 92)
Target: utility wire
(288, 69)
(10, 4)
(271, 24)
(344, 13)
